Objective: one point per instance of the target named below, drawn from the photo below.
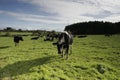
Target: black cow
(108, 35)
(34, 38)
(82, 36)
(49, 38)
(17, 39)
(65, 41)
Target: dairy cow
(64, 42)
(17, 39)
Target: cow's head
(21, 38)
(59, 47)
(60, 43)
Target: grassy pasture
(95, 57)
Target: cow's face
(61, 39)
(60, 43)
(60, 48)
(20, 38)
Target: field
(95, 57)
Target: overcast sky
(56, 14)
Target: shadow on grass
(4, 47)
(22, 67)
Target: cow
(35, 38)
(82, 36)
(48, 37)
(17, 39)
(108, 35)
(64, 42)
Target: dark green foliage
(95, 27)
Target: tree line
(94, 27)
(9, 31)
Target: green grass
(95, 57)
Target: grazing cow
(108, 35)
(17, 39)
(65, 41)
(48, 38)
(34, 38)
(82, 36)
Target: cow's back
(69, 38)
(17, 39)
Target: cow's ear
(54, 43)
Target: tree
(94, 27)
(20, 30)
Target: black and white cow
(35, 38)
(65, 41)
(17, 39)
(49, 37)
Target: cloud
(112, 18)
(64, 8)
(64, 12)
(78, 9)
(34, 21)
(71, 11)
(45, 19)
(31, 17)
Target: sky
(55, 14)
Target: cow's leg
(62, 50)
(66, 52)
(62, 54)
(15, 44)
(70, 49)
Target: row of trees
(94, 27)
(11, 29)
(8, 32)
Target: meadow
(95, 57)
